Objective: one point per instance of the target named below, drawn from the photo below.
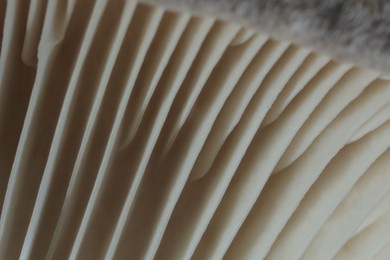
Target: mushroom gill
(128, 131)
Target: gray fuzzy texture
(356, 31)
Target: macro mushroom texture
(132, 131)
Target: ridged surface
(129, 132)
